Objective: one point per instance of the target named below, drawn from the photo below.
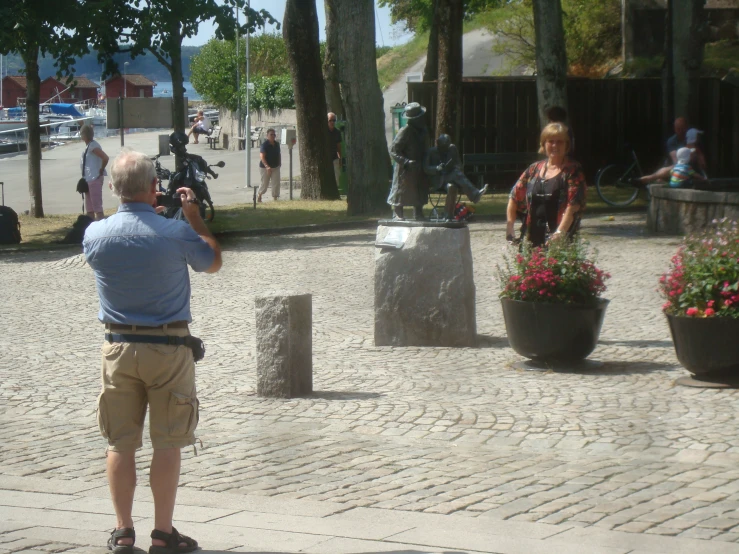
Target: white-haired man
(140, 261)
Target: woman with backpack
(92, 163)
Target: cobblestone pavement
(434, 430)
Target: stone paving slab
(416, 431)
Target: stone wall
(278, 119)
(684, 211)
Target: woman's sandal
(173, 541)
(124, 533)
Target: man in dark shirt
(269, 165)
(335, 140)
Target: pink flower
(691, 311)
(709, 312)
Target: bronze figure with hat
(408, 150)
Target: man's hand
(269, 171)
(440, 168)
(190, 204)
(157, 208)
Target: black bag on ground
(82, 186)
(77, 233)
(10, 227)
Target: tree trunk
(668, 96)
(551, 56)
(449, 20)
(431, 70)
(300, 31)
(627, 31)
(330, 61)
(368, 158)
(688, 37)
(33, 86)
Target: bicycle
(618, 185)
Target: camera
(169, 200)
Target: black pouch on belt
(197, 346)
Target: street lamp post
(124, 78)
(247, 127)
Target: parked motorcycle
(192, 173)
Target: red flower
(691, 311)
(709, 312)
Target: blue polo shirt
(140, 264)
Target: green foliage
(267, 54)
(272, 93)
(561, 273)
(382, 50)
(592, 31)
(703, 280)
(57, 28)
(213, 73)
(418, 15)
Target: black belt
(193, 343)
(122, 327)
(147, 339)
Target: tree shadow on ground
(620, 368)
(344, 395)
(487, 341)
(638, 343)
(433, 551)
(272, 243)
(48, 253)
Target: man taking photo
(140, 261)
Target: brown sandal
(123, 533)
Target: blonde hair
(554, 130)
(132, 173)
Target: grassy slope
(397, 61)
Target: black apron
(543, 197)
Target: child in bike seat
(683, 174)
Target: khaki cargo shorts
(160, 375)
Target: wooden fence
(499, 114)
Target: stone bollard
(284, 344)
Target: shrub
(703, 279)
(271, 93)
(561, 273)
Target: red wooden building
(14, 88)
(136, 86)
(83, 90)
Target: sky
(385, 33)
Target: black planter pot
(707, 347)
(553, 332)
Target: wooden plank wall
(499, 114)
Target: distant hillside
(89, 67)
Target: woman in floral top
(550, 193)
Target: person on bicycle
(551, 193)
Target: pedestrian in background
(92, 164)
(335, 141)
(270, 161)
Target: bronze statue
(443, 166)
(410, 184)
